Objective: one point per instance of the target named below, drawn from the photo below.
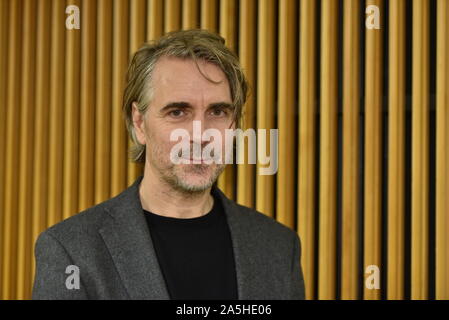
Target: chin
(196, 182)
(196, 179)
(193, 186)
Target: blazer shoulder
(265, 225)
(91, 219)
(86, 222)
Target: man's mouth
(194, 160)
(199, 159)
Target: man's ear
(139, 124)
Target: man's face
(181, 95)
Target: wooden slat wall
(286, 111)
(307, 142)
(373, 149)
(442, 166)
(420, 147)
(56, 113)
(4, 20)
(63, 143)
(396, 150)
(120, 55)
(228, 30)
(88, 96)
(266, 68)
(328, 152)
(209, 15)
(11, 182)
(351, 111)
(103, 101)
(71, 120)
(247, 53)
(41, 133)
(27, 108)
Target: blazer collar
(129, 242)
(243, 247)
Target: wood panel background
(363, 119)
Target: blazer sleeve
(297, 283)
(50, 278)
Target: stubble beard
(177, 175)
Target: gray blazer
(111, 246)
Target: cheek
(226, 128)
(160, 139)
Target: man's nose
(198, 126)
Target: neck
(158, 197)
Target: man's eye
(218, 112)
(176, 113)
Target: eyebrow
(173, 105)
(186, 105)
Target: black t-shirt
(195, 255)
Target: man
(173, 234)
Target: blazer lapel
(247, 283)
(129, 242)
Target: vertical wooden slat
(103, 102)
(40, 163)
(265, 97)
(137, 38)
(71, 119)
(120, 56)
(350, 153)
(247, 55)
(87, 104)
(328, 151)
(155, 25)
(373, 150)
(396, 150)
(442, 150)
(190, 14)
(228, 22)
(172, 15)
(9, 258)
(420, 149)
(307, 140)
(27, 106)
(286, 113)
(4, 31)
(56, 113)
(209, 14)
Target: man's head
(183, 77)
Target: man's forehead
(182, 69)
(179, 79)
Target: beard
(192, 178)
(184, 178)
